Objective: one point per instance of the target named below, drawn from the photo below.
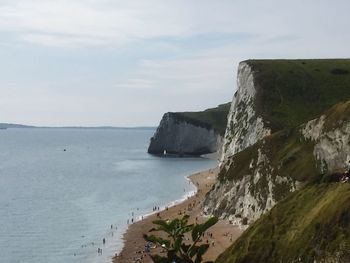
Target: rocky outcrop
(250, 184)
(244, 125)
(182, 136)
(270, 147)
(253, 180)
(331, 135)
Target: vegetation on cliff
(289, 155)
(291, 92)
(215, 118)
(190, 133)
(310, 224)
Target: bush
(177, 250)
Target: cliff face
(178, 136)
(244, 125)
(191, 133)
(258, 177)
(330, 134)
(271, 148)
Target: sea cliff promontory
(190, 133)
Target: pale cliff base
(223, 232)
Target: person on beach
(104, 241)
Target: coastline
(222, 234)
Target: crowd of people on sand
(345, 177)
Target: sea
(62, 191)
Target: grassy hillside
(291, 92)
(289, 156)
(310, 224)
(215, 118)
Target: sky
(127, 62)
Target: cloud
(107, 22)
(87, 22)
(127, 62)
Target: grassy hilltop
(215, 118)
(291, 92)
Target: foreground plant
(177, 251)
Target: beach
(220, 236)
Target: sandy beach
(220, 236)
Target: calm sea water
(57, 206)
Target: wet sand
(220, 236)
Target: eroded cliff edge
(311, 224)
(268, 151)
(190, 133)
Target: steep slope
(190, 133)
(268, 152)
(269, 170)
(286, 142)
(276, 94)
(310, 225)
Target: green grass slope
(215, 118)
(289, 155)
(310, 224)
(291, 92)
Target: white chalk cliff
(253, 174)
(182, 137)
(244, 126)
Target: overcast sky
(125, 63)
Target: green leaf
(193, 251)
(159, 259)
(163, 225)
(196, 232)
(201, 250)
(177, 244)
(209, 223)
(185, 247)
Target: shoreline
(222, 234)
(171, 204)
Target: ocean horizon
(62, 191)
